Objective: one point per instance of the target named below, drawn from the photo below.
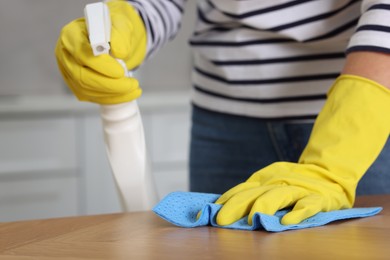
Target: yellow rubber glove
(101, 79)
(347, 137)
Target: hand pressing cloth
(181, 208)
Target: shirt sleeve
(162, 19)
(373, 30)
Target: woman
(262, 69)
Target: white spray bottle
(122, 126)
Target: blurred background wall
(29, 30)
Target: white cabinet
(53, 161)
(168, 142)
(38, 168)
(36, 144)
(168, 136)
(39, 196)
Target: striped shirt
(269, 58)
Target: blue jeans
(226, 149)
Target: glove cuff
(365, 81)
(350, 131)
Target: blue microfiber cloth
(181, 208)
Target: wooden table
(143, 235)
